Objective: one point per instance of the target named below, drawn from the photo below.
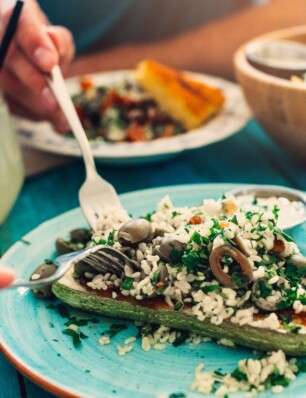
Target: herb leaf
(115, 329)
(127, 283)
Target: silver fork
(95, 193)
(102, 258)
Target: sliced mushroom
(41, 272)
(159, 232)
(216, 266)
(63, 247)
(283, 283)
(261, 302)
(167, 246)
(265, 305)
(163, 272)
(78, 240)
(81, 235)
(135, 231)
(162, 280)
(240, 242)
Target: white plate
(229, 120)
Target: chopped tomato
(80, 111)
(138, 117)
(169, 130)
(195, 220)
(86, 83)
(279, 246)
(112, 98)
(86, 123)
(136, 132)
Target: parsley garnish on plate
(115, 329)
(76, 336)
(61, 308)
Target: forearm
(209, 48)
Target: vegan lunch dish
(220, 269)
(159, 102)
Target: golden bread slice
(184, 99)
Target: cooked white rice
(218, 222)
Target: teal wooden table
(247, 157)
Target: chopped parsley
(76, 336)
(148, 329)
(175, 213)
(26, 242)
(239, 375)
(115, 329)
(80, 321)
(275, 211)
(196, 238)
(249, 215)
(175, 256)
(178, 306)
(109, 241)
(264, 289)
(127, 283)
(61, 308)
(192, 261)
(283, 234)
(216, 224)
(154, 279)
(211, 288)
(234, 220)
(291, 328)
(301, 365)
(148, 216)
(180, 339)
(240, 281)
(289, 297)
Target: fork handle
(59, 89)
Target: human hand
(36, 48)
(7, 276)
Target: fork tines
(104, 263)
(109, 260)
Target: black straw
(10, 31)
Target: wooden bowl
(277, 103)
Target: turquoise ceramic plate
(32, 338)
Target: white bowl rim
(254, 48)
(241, 62)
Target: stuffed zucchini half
(156, 312)
(219, 269)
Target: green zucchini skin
(248, 336)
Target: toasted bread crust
(186, 100)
